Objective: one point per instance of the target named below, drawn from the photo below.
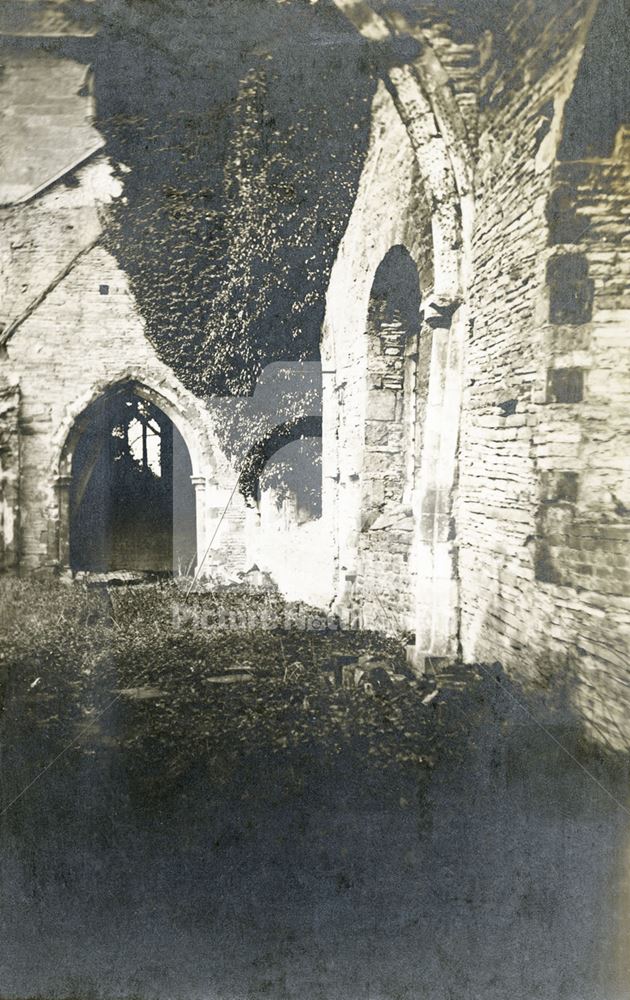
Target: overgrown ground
(195, 809)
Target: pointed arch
(70, 430)
(126, 498)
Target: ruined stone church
(471, 399)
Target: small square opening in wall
(565, 226)
(545, 568)
(565, 385)
(570, 289)
(559, 486)
(103, 289)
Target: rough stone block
(376, 433)
(381, 404)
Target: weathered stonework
(368, 392)
(535, 517)
(543, 537)
(476, 485)
(404, 576)
(73, 334)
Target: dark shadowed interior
(132, 501)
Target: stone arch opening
(129, 499)
(281, 479)
(301, 476)
(394, 565)
(292, 481)
(383, 594)
(393, 325)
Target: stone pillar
(253, 536)
(437, 596)
(63, 523)
(199, 484)
(224, 529)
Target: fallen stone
(370, 661)
(232, 677)
(240, 668)
(116, 578)
(141, 693)
(258, 579)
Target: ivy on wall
(240, 131)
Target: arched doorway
(301, 468)
(131, 502)
(393, 326)
(384, 589)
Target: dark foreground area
(217, 800)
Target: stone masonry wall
(78, 334)
(372, 570)
(542, 518)
(385, 584)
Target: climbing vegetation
(240, 134)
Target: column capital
(199, 482)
